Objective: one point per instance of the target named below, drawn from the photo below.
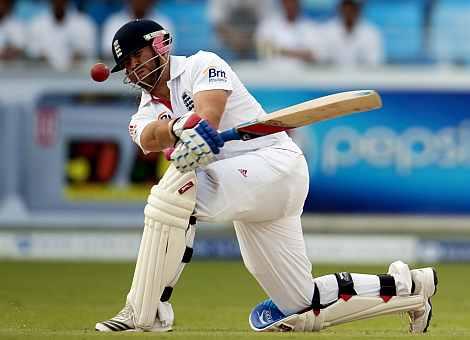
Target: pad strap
(345, 286)
(188, 254)
(387, 287)
(316, 305)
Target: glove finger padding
(197, 145)
(191, 153)
(167, 236)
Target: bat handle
(230, 134)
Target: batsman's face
(140, 66)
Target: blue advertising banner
(412, 156)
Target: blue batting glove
(197, 146)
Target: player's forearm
(210, 105)
(212, 115)
(157, 136)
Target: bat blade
(312, 111)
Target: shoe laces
(125, 313)
(270, 304)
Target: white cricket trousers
(263, 193)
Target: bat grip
(227, 135)
(230, 134)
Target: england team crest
(188, 101)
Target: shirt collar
(177, 66)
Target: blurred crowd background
(346, 33)
(385, 184)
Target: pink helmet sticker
(161, 43)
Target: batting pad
(355, 308)
(165, 238)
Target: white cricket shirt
(201, 72)
(58, 41)
(361, 47)
(302, 34)
(11, 33)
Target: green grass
(44, 300)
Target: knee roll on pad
(166, 244)
(402, 275)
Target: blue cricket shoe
(265, 316)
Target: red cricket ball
(99, 72)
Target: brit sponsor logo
(216, 75)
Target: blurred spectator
(135, 9)
(62, 36)
(11, 32)
(290, 36)
(235, 22)
(350, 41)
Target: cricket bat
(309, 112)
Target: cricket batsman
(260, 185)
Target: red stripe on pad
(386, 298)
(345, 297)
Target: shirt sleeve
(144, 116)
(210, 72)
